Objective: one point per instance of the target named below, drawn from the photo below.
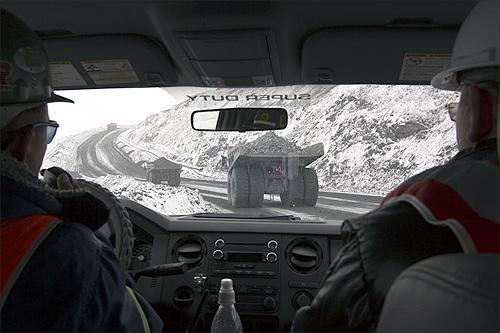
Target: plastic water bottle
(226, 318)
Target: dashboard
(276, 266)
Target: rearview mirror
(240, 119)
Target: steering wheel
(118, 228)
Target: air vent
(304, 255)
(190, 250)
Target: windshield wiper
(247, 217)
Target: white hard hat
(476, 45)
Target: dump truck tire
(229, 190)
(240, 188)
(155, 178)
(294, 195)
(257, 184)
(310, 187)
(174, 179)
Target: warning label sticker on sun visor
(111, 71)
(422, 66)
(64, 74)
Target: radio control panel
(254, 267)
(237, 257)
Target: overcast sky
(99, 107)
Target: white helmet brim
(10, 111)
(447, 80)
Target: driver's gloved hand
(59, 179)
(65, 182)
(77, 205)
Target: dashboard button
(271, 257)
(269, 303)
(213, 302)
(220, 243)
(218, 255)
(269, 292)
(303, 284)
(301, 299)
(272, 244)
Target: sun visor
(376, 55)
(108, 61)
(233, 58)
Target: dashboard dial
(142, 253)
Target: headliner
(289, 24)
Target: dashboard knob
(269, 303)
(302, 299)
(218, 254)
(272, 244)
(271, 257)
(213, 302)
(220, 243)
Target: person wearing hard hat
(447, 209)
(56, 274)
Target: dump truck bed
(303, 157)
(163, 164)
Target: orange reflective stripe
(19, 238)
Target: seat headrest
(449, 293)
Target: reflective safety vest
(462, 195)
(19, 239)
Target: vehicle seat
(448, 293)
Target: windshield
(358, 141)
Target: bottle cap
(226, 292)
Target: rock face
(268, 143)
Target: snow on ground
(163, 199)
(62, 152)
(103, 157)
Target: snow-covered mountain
(374, 136)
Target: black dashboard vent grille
(304, 255)
(190, 250)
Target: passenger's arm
(378, 246)
(342, 303)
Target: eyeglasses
(452, 110)
(51, 128)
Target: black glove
(58, 178)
